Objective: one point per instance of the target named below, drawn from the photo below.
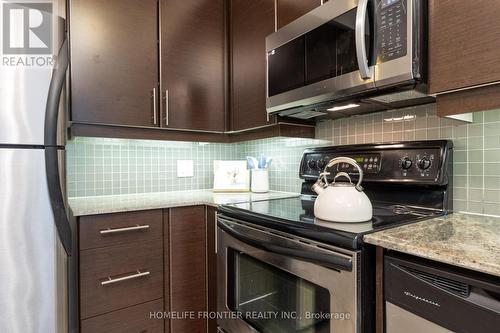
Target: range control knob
(424, 163)
(406, 163)
(312, 164)
(321, 164)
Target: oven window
(292, 304)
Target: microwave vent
(307, 114)
(399, 96)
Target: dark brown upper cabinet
(114, 61)
(192, 64)
(197, 67)
(250, 23)
(464, 47)
(115, 72)
(289, 10)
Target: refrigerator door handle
(52, 150)
(56, 198)
(54, 96)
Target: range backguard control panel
(389, 165)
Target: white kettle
(341, 201)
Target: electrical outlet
(185, 168)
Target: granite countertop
(143, 201)
(464, 240)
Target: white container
(260, 181)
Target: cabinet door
(251, 22)
(289, 10)
(212, 265)
(464, 45)
(97, 231)
(114, 61)
(192, 64)
(188, 268)
(139, 264)
(133, 319)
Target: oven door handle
(329, 260)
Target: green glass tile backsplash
(97, 166)
(476, 179)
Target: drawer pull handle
(118, 230)
(111, 280)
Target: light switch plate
(184, 168)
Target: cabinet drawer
(116, 277)
(133, 319)
(112, 229)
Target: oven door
(324, 55)
(272, 283)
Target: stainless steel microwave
(345, 49)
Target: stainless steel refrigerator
(37, 233)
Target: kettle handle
(347, 160)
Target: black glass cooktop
(296, 216)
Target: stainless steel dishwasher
(423, 296)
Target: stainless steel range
(281, 270)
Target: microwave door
(355, 40)
(325, 41)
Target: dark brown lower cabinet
(212, 265)
(121, 272)
(136, 266)
(188, 267)
(138, 318)
(120, 276)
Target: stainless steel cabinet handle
(155, 108)
(275, 15)
(125, 229)
(365, 70)
(216, 236)
(111, 280)
(166, 107)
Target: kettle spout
(318, 187)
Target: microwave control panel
(391, 25)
